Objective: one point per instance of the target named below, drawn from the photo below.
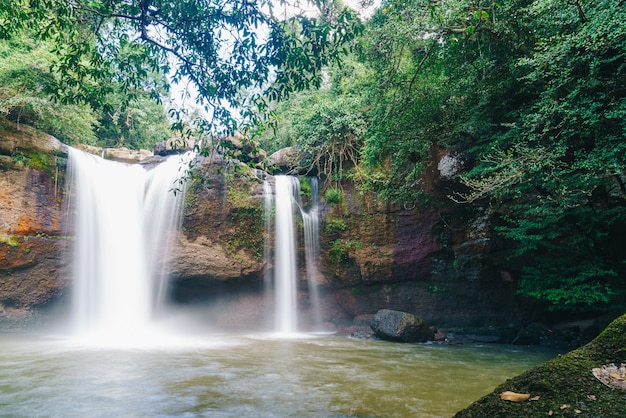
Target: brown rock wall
(438, 262)
(33, 249)
(223, 229)
(33, 271)
(31, 203)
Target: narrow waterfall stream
(285, 282)
(125, 218)
(288, 202)
(310, 220)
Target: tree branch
(581, 12)
(420, 65)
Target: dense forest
(527, 96)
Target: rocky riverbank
(565, 386)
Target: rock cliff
(33, 242)
(439, 263)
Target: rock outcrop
(440, 263)
(223, 231)
(33, 245)
(401, 326)
(286, 159)
(565, 386)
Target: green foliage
(335, 226)
(26, 92)
(333, 195)
(28, 95)
(9, 240)
(305, 187)
(531, 92)
(357, 290)
(435, 288)
(340, 250)
(407, 98)
(561, 155)
(18, 158)
(238, 55)
(36, 160)
(140, 123)
(330, 136)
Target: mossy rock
(565, 385)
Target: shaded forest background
(527, 97)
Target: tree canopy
(237, 54)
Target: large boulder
(175, 146)
(286, 159)
(26, 139)
(400, 326)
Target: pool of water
(249, 376)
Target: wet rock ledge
(565, 386)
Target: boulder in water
(400, 326)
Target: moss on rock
(565, 386)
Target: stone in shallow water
(400, 326)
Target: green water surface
(250, 376)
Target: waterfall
(310, 220)
(268, 206)
(285, 256)
(287, 198)
(125, 219)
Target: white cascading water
(268, 206)
(287, 196)
(125, 219)
(310, 220)
(285, 256)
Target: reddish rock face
(33, 249)
(31, 203)
(33, 271)
(439, 262)
(415, 243)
